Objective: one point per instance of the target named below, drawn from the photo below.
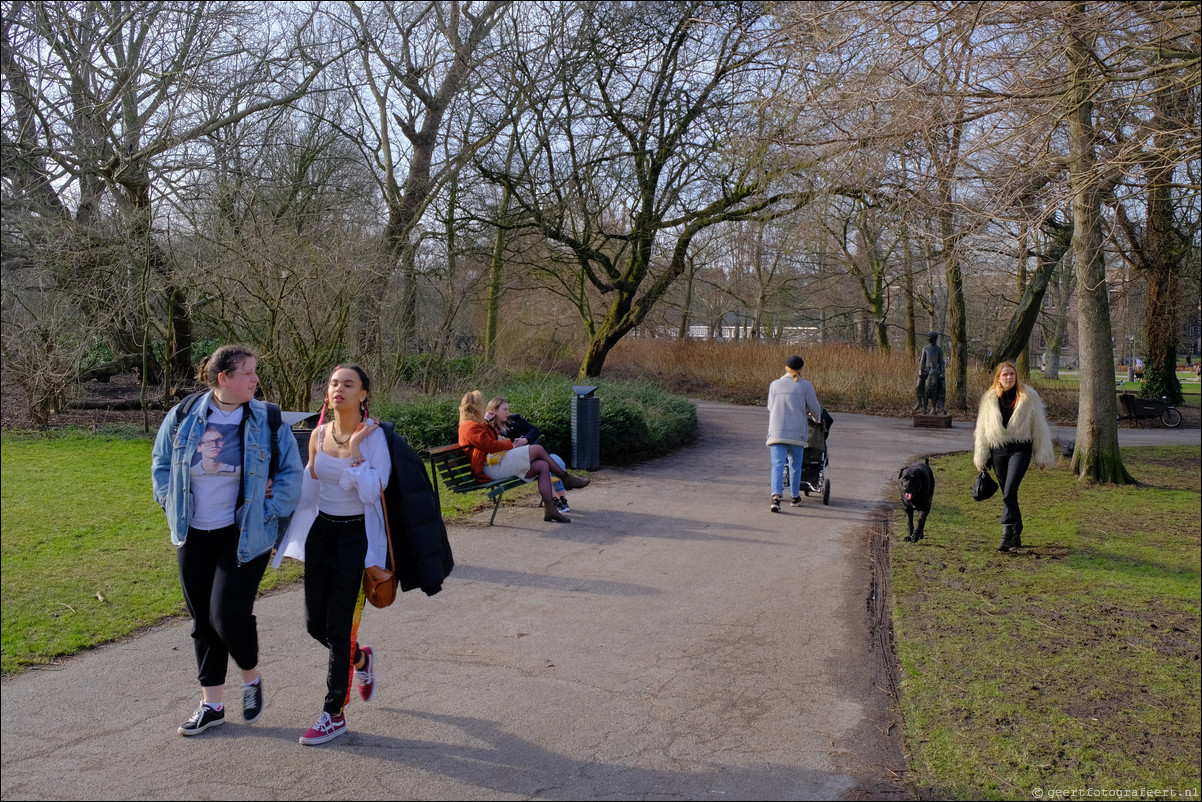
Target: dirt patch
(115, 402)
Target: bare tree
(1097, 454)
(108, 101)
(633, 149)
(416, 59)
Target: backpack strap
(274, 418)
(185, 407)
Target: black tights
(542, 467)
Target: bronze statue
(931, 390)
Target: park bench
(452, 464)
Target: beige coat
(1028, 423)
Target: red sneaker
(365, 677)
(327, 728)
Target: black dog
(917, 488)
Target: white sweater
(1029, 423)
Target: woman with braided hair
(338, 531)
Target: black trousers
(334, 554)
(1010, 463)
(220, 595)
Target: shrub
(638, 422)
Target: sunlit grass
(1071, 664)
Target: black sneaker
(561, 504)
(796, 501)
(252, 701)
(775, 504)
(201, 720)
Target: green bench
(452, 465)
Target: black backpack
(419, 536)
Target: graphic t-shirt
(217, 471)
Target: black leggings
(1010, 463)
(334, 555)
(220, 595)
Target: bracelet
(356, 462)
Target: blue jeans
(556, 482)
(781, 452)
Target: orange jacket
(479, 440)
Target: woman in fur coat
(1012, 430)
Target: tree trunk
(1097, 455)
(1017, 336)
(1164, 249)
(957, 334)
(683, 332)
(1022, 361)
(494, 280)
(908, 277)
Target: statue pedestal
(922, 421)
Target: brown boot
(573, 482)
(554, 515)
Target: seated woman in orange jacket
(495, 457)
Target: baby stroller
(814, 461)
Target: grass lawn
(1071, 664)
(86, 552)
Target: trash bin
(302, 425)
(586, 429)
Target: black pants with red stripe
(334, 555)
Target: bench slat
(451, 464)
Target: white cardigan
(1028, 423)
(370, 478)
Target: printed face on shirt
(218, 450)
(210, 443)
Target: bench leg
(496, 502)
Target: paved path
(676, 641)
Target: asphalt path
(675, 641)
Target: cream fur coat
(1029, 422)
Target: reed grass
(846, 378)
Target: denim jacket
(258, 517)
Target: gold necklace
(334, 434)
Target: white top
(215, 481)
(332, 497)
(367, 479)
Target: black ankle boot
(1008, 538)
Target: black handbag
(984, 487)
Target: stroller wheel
(826, 492)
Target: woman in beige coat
(1012, 431)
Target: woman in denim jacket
(210, 468)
